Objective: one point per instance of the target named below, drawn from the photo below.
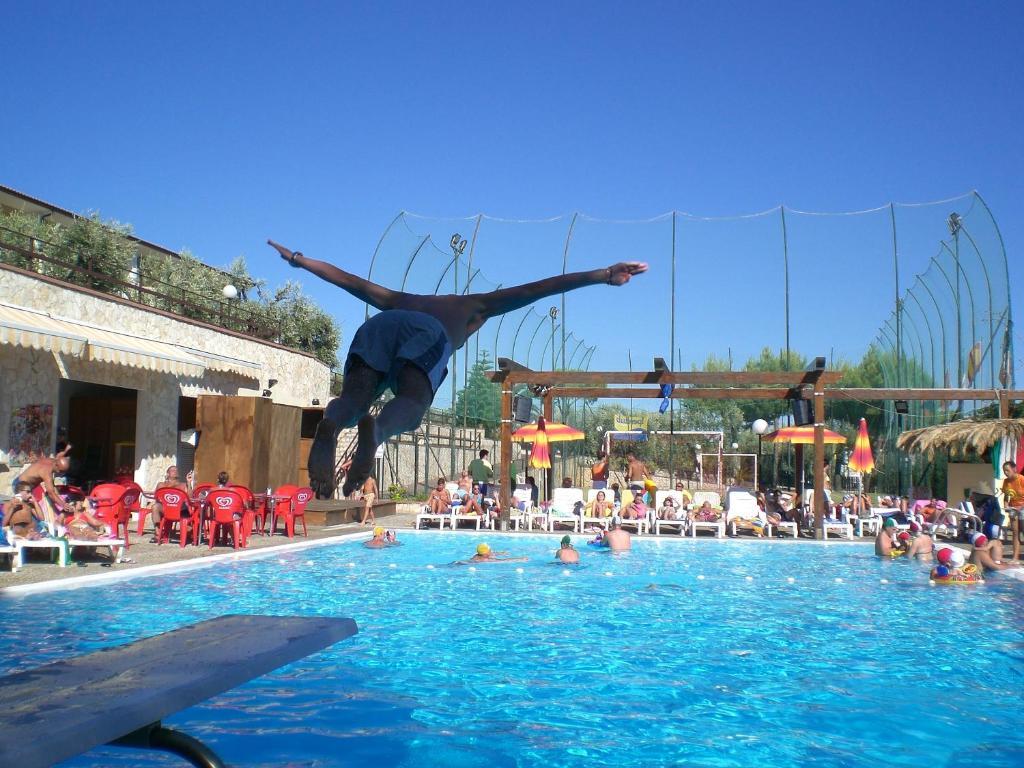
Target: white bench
(844, 530)
(788, 526)
(58, 544)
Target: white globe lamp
(230, 292)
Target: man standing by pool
(405, 348)
(1013, 493)
(481, 471)
(41, 472)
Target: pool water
(695, 653)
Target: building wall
(31, 376)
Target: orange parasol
(542, 433)
(862, 460)
(802, 436)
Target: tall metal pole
(1007, 350)
(565, 263)
(954, 229)
(785, 268)
(899, 311)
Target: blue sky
(214, 126)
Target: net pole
(672, 366)
(1008, 358)
(785, 269)
(896, 275)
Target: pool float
(894, 553)
(968, 574)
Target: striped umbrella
(802, 435)
(862, 460)
(542, 433)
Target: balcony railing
(135, 285)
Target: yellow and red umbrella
(802, 436)
(862, 460)
(542, 433)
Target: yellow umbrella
(862, 460)
(542, 433)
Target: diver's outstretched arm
(509, 299)
(376, 296)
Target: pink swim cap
(980, 541)
(944, 555)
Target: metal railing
(135, 286)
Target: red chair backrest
(171, 499)
(245, 493)
(286, 492)
(132, 494)
(106, 498)
(71, 492)
(225, 503)
(200, 489)
(301, 498)
(38, 492)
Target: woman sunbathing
(23, 515)
(600, 506)
(668, 510)
(81, 525)
(705, 514)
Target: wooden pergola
(812, 384)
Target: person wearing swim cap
(377, 542)
(484, 554)
(617, 540)
(884, 540)
(987, 555)
(567, 553)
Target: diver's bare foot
(321, 459)
(362, 460)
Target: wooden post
(549, 410)
(1004, 405)
(505, 459)
(819, 460)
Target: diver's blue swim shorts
(390, 339)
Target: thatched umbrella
(959, 437)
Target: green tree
(480, 399)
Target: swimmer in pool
(405, 347)
(379, 540)
(484, 554)
(567, 553)
(988, 555)
(884, 539)
(617, 540)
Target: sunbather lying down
(405, 348)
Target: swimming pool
(701, 653)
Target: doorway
(100, 423)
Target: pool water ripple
(650, 666)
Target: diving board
(119, 695)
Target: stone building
(120, 381)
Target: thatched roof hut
(959, 437)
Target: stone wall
(30, 376)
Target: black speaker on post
(803, 413)
(521, 409)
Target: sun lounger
(119, 695)
(586, 519)
(51, 544)
(8, 553)
(681, 524)
(531, 515)
(717, 526)
(563, 505)
(699, 497)
(743, 506)
(426, 517)
(843, 530)
(116, 546)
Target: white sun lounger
(843, 530)
(682, 524)
(743, 506)
(586, 519)
(563, 504)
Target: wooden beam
(881, 393)
(697, 378)
(506, 367)
(505, 456)
(710, 393)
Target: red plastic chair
(291, 505)
(173, 501)
(227, 509)
(249, 519)
(132, 501)
(108, 507)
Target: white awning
(218, 362)
(28, 328)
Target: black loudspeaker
(521, 408)
(803, 413)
